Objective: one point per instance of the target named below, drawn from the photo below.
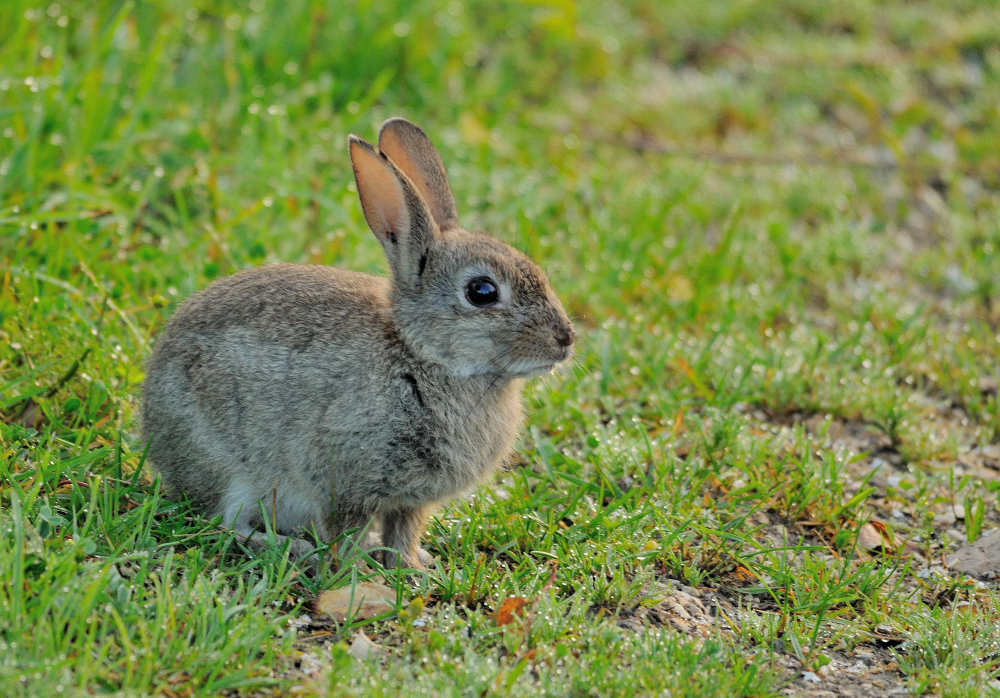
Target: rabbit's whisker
(492, 383)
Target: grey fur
(344, 398)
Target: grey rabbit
(339, 400)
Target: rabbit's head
(463, 300)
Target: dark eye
(482, 292)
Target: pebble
(363, 648)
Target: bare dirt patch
(866, 672)
(980, 559)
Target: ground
(772, 467)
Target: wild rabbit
(335, 398)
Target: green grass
(775, 224)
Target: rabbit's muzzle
(541, 354)
(565, 336)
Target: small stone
(957, 535)
(300, 622)
(678, 609)
(682, 625)
(363, 648)
(631, 624)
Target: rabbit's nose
(565, 335)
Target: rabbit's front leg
(357, 520)
(401, 531)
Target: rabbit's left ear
(413, 153)
(395, 211)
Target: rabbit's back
(283, 303)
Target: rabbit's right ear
(394, 209)
(411, 150)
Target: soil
(980, 559)
(866, 672)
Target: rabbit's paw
(418, 562)
(299, 548)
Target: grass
(776, 226)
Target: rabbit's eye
(482, 292)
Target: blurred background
(736, 169)
(775, 223)
(670, 161)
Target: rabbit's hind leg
(240, 509)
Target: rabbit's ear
(394, 209)
(412, 152)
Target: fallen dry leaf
(31, 416)
(370, 600)
(869, 538)
(185, 693)
(509, 608)
(873, 535)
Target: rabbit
(336, 400)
